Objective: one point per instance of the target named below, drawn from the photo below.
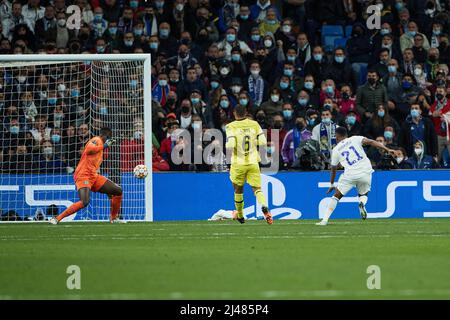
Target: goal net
(51, 105)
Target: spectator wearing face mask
(285, 34)
(317, 66)
(376, 125)
(183, 61)
(359, 50)
(132, 149)
(222, 112)
(417, 128)
(352, 124)
(293, 139)
(274, 104)
(370, 96)
(158, 162)
(440, 115)
(191, 83)
(419, 159)
(325, 134)
(201, 108)
(339, 69)
(407, 39)
(47, 162)
(402, 159)
(256, 85)
(231, 41)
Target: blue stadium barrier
(340, 42)
(197, 196)
(348, 31)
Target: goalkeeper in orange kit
(87, 178)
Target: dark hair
(105, 131)
(341, 131)
(241, 111)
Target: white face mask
(286, 28)
(399, 159)
(254, 72)
(48, 151)
(268, 43)
(236, 89)
(418, 151)
(275, 98)
(224, 71)
(417, 72)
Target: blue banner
(201, 196)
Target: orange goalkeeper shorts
(92, 183)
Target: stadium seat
(340, 42)
(348, 31)
(329, 34)
(362, 75)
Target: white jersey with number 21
(351, 155)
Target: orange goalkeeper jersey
(91, 159)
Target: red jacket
(131, 154)
(437, 121)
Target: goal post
(51, 105)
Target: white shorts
(362, 184)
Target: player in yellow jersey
(243, 138)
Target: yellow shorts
(239, 174)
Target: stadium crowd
(391, 84)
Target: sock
(331, 206)
(70, 210)
(116, 201)
(239, 204)
(363, 199)
(261, 198)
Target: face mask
(329, 89)
(256, 37)
(287, 114)
(179, 6)
(14, 129)
(399, 6)
(154, 45)
(128, 43)
(411, 34)
(439, 96)
(61, 23)
(406, 84)
(58, 116)
(185, 109)
(437, 32)
(236, 57)
(326, 121)
(104, 110)
(284, 85)
(138, 32)
(399, 159)
(236, 89)
(255, 73)
(309, 85)
(267, 43)
(418, 151)
(381, 114)
(417, 72)
(288, 72)
(388, 135)
(137, 135)
(339, 59)
(224, 71)
(244, 17)
(56, 138)
(345, 95)
(61, 87)
(286, 28)
(392, 69)
(243, 102)
(271, 22)
(133, 84)
(302, 101)
(275, 98)
(415, 113)
(134, 4)
(271, 149)
(195, 100)
(372, 81)
(98, 16)
(159, 4)
(231, 37)
(260, 118)
(318, 57)
(48, 151)
(52, 101)
(214, 84)
(75, 93)
(21, 79)
(162, 83)
(224, 103)
(100, 49)
(384, 31)
(311, 122)
(164, 33)
(195, 126)
(351, 120)
(291, 58)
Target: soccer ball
(140, 171)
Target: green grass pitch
(226, 260)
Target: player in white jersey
(350, 154)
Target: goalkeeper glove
(108, 143)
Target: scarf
(256, 89)
(159, 93)
(297, 138)
(325, 141)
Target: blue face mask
(134, 4)
(339, 59)
(272, 22)
(399, 6)
(392, 69)
(290, 58)
(162, 83)
(154, 45)
(388, 135)
(326, 120)
(138, 32)
(256, 37)
(412, 34)
(284, 85)
(302, 101)
(288, 72)
(164, 33)
(287, 114)
(243, 102)
(235, 57)
(98, 17)
(196, 126)
(112, 30)
(159, 4)
(351, 120)
(14, 129)
(103, 110)
(52, 101)
(195, 100)
(406, 84)
(56, 138)
(309, 85)
(214, 84)
(231, 37)
(384, 32)
(244, 17)
(415, 113)
(75, 93)
(133, 84)
(318, 57)
(381, 114)
(224, 104)
(311, 122)
(329, 89)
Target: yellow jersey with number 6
(243, 137)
